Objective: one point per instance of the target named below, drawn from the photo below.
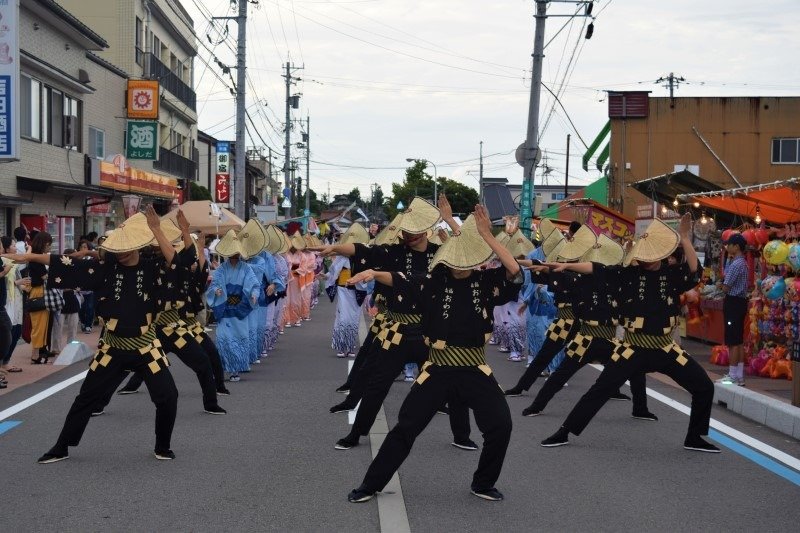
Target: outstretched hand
(324, 251)
(445, 210)
(685, 227)
(153, 222)
(183, 223)
(482, 222)
(555, 267)
(362, 277)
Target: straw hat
(297, 241)
(433, 236)
(518, 244)
(546, 226)
(275, 240)
(503, 238)
(287, 243)
(253, 238)
(230, 245)
(134, 234)
(577, 245)
(464, 251)
(606, 252)
(551, 240)
(656, 243)
(419, 216)
(391, 233)
(355, 234)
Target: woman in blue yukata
(232, 296)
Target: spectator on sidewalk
(734, 307)
(15, 284)
(39, 319)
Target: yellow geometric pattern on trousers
(458, 356)
(558, 330)
(147, 345)
(665, 343)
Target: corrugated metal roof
(498, 201)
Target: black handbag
(32, 305)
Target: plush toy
(719, 355)
(691, 299)
(758, 362)
(776, 252)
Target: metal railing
(177, 165)
(155, 69)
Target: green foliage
(418, 182)
(198, 192)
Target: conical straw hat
(656, 243)
(551, 241)
(518, 244)
(230, 245)
(503, 238)
(134, 234)
(287, 243)
(391, 233)
(275, 241)
(606, 252)
(253, 238)
(552, 257)
(355, 234)
(464, 251)
(546, 226)
(434, 238)
(419, 216)
(577, 245)
(297, 241)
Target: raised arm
(685, 231)
(580, 268)
(446, 212)
(485, 230)
(154, 223)
(347, 250)
(381, 276)
(43, 259)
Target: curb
(773, 413)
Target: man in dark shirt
(649, 307)
(133, 291)
(455, 301)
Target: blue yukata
(275, 309)
(541, 311)
(266, 304)
(232, 309)
(258, 318)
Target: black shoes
(531, 411)
(492, 494)
(164, 455)
(513, 391)
(344, 389)
(443, 411)
(125, 390)
(698, 444)
(620, 397)
(559, 438)
(215, 410)
(645, 415)
(342, 407)
(53, 456)
(465, 445)
(222, 391)
(99, 412)
(347, 443)
(360, 495)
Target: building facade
(750, 139)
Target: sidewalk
(21, 358)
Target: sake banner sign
(142, 135)
(9, 79)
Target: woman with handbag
(40, 315)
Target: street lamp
(435, 176)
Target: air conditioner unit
(71, 133)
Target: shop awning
(664, 189)
(13, 201)
(44, 186)
(777, 202)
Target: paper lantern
(762, 236)
(776, 252)
(794, 256)
(750, 236)
(727, 234)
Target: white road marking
(754, 443)
(36, 398)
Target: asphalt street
(270, 464)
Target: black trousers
(95, 387)
(471, 387)
(563, 333)
(216, 363)
(599, 350)
(192, 355)
(356, 380)
(690, 376)
(387, 364)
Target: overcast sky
(389, 79)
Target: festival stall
(770, 223)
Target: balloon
(776, 252)
(727, 234)
(777, 291)
(750, 236)
(767, 284)
(794, 256)
(762, 236)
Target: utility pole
(291, 102)
(566, 171)
(672, 82)
(528, 153)
(241, 199)
(480, 177)
(308, 167)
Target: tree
(198, 192)
(462, 197)
(355, 196)
(419, 183)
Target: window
(72, 123)
(559, 196)
(156, 46)
(62, 123)
(176, 143)
(56, 117)
(30, 107)
(97, 143)
(785, 151)
(138, 41)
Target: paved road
(270, 463)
